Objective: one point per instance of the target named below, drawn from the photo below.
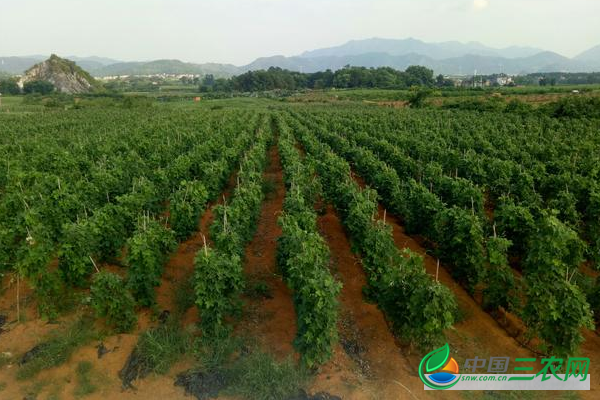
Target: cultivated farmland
(260, 249)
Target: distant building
(501, 80)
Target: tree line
(10, 86)
(345, 78)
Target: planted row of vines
(451, 180)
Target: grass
(84, 379)
(250, 373)
(162, 346)
(36, 388)
(259, 376)
(214, 353)
(57, 348)
(4, 359)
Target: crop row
(303, 256)
(418, 307)
(553, 249)
(219, 278)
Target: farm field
(262, 249)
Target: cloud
(480, 4)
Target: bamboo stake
(93, 262)
(205, 248)
(572, 275)
(437, 270)
(18, 299)
(384, 215)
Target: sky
(239, 31)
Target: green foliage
(555, 250)
(39, 87)
(74, 257)
(517, 106)
(147, 252)
(9, 86)
(418, 96)
(461, 244)
(397, 280)
(556, 311)
(501, 290)
(515, 222)
(303, 257)
(218, 283)
(110, 230)
(218, 276)
(112, 300)
(185, 206)
(576, 107)
(51, 294)
(344, 78)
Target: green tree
(41, 87)
(417, 97)
(420, 76)
(9, 86)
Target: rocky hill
(64, 74)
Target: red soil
(271, 320)
(372, 366)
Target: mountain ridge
(449, 58)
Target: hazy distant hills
(166, 66)
(437, 51)
(591, 57)
(446, 58)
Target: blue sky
(238, 31)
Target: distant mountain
(445, 58)
(437, 51)
(65, 75)
(590, 57)
(166, 67)
(94, 59)
(17, 65)
(314, 64)
(467, 64)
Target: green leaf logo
(437, 358)
(434, 361)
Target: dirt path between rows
(181, 264)
(367, 363)
(271, 319)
